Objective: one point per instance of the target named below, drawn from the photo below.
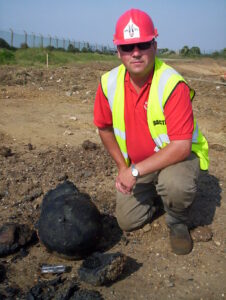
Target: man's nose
(136, 51)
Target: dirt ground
(45, 116)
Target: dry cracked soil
(45, 118)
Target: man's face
(139, 62)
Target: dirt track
(45, 116)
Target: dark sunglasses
(140, 46)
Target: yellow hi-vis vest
(164, 81)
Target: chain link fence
(20, 40)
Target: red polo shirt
(140, 145)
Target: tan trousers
(176, 184)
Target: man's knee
(177, 189)
(136, 209)
(177, 195)
(128, 221)
(125, 223)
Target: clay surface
(45, 129)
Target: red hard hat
(134, 26)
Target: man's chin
(137, 72)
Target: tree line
(185, 51)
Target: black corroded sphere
(69, 224)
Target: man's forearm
(108, 138)
(175, 152)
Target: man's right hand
(122, 189)
(125, 181)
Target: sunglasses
(140, 46)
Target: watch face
(135, 172)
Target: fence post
(33, 39)
(11, 37)
(50, 40)
(63, 43)
(56, 41)
(41, 40)
(25, 37)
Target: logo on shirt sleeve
(146, 105)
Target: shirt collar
(148, 82)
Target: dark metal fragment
(70, 224)
(99, 269)
(14, 236)
(2, 273)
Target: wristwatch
(135, 172)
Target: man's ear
(118, 52)
(155, 46)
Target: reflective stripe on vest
(120, 133)
(112, 84)
(166, 74)
(162, 138)
(111, 89)
(195, 134)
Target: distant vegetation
(37, 56)
(59, 56)
(26, 56)
(191, 52)
(195, 51)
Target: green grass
(37, 57)
(6, 57)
